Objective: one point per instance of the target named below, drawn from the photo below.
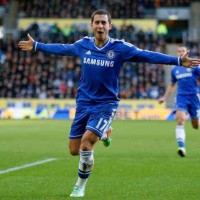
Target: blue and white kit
(187, 98)
(98, 86)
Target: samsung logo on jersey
(184, 75)
(103, 63)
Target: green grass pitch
(141, 163)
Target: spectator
(27, 75)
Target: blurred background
(35, 85)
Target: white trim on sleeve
(36, 46)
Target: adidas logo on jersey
(88, 52)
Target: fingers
(185, 56)
(161, 100)
(195, 62)
(190, 62)
(23, 45)
(187, 53)
(26, 45)
(30, 38)
(23, 48)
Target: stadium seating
(37, 75)
(118, 9)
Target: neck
(101, 43)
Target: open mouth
(100, 32)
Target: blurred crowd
(4, 2)
(37, 75)
(84, 9)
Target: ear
(110, 26)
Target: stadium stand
(31, 75)
(118, 9)
(36, 75)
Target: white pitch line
(27, 165)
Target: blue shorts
(96, 118)
(188, 103)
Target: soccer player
(187, 99)
(97, 99)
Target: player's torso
(186, 79)
(100, 71)
(100, 61)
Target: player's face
(101, 27)
(181, 51)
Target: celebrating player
(97, 99)
(187, 99)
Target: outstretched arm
(168, 92)
(56, 49)
(139, 55)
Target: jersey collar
(106, 44)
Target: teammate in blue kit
(187, 99)
(97, 99)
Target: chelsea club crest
(110, 54)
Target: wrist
(35, 46)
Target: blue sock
(181, 143)
(180, 136)
(85, 167)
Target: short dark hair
(182, 46)
(101, 12)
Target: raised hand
(161, 100)
(26, 45)
(189, 62)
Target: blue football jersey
(101, 66)
(186, 79)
